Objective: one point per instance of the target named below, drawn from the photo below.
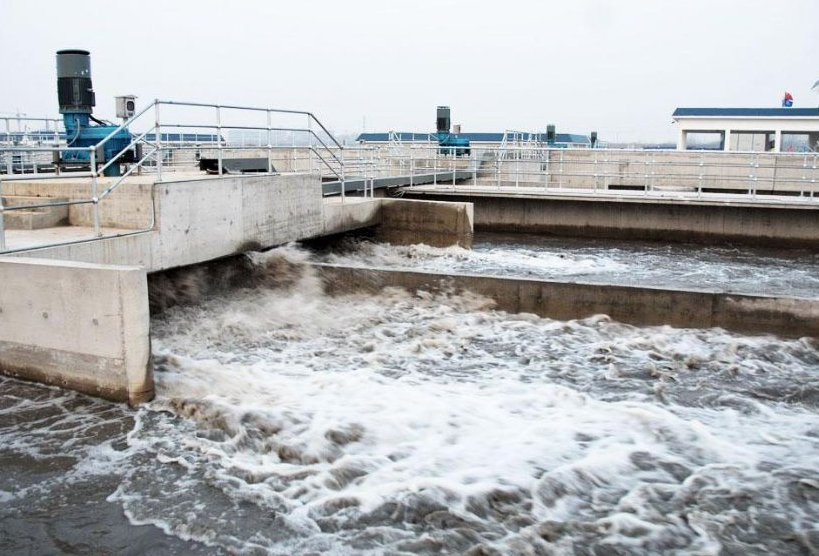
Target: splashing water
(289, 422)
(747, 270)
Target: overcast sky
(618, 67)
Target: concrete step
(35, 218)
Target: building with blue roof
(748, 129)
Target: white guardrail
(174, 136)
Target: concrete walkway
(17, 240)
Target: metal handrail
(315, 143)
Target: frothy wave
(413, 423)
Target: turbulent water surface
(288, 422)
(747, 270)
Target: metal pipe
(158, 136)
(94, 198)
(121, 179)
(2, 219)
(219, 137)
(269, 146)
(343, 181)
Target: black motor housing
(74, 89)
(442, 122)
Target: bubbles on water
(780, 272)
(290, 422)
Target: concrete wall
(202, 219)
(644, 219)
(787, 173)
(76, 325)
(439, 224)
(128, 207)
(789, 317)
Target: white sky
(617, 67)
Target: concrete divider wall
(788, 317)
(77, 325)
(439, 224)
(644, 219)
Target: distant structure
(748, 129)
(491, 139)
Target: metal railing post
(517, 169)
(374, 173)
(343, 181)
(474, 167)
(158, 132)
(752, 176)
(435, 169)
(595, 171)
(412, 168)
(454, 166)
(219, 137)
(94, 198)
(309, 145)
(497, 167)
(560, 174)
(269, 146)
(2, 220)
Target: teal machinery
(82, 129)
(449, 143)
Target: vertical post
(497, 167)
(682, 138)
(158, 132)
(645, 175)
(454, 166)
(701, 174)
(309, 146)
(412, 168)
(560, 175)
(474, 156)
(435, 168)
(517, 168)
(752, 176)
(269, 147)
(595, 171)
(219, 137)
(343, 181)
(94, 199)
(2, 220)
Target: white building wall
(776, 126)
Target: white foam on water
(744, 270)
(290, 422)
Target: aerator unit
(82, 129)
(449, 143)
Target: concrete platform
(17, 240)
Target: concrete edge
(790, 317)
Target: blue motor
(76, 97)
(449, 143)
